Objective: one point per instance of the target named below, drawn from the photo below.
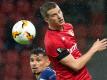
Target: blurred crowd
(12, 11)
(81, 13)
(87, 16)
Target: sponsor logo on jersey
(73, 48)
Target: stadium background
(87, 16)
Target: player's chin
(61, 23)
(36, 72)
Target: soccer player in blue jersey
(39, 63)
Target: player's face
(38, 63)
(55, 16)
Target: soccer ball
(23, 32)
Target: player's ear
(46, 19)
(47, 61)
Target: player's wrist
(93, 50)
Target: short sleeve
(53, 46)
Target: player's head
(38, 60)
(52, 13)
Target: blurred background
(87, 16)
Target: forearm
(77, 64)
(99, 45)
(84, 59)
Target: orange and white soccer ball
(23, 32)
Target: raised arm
(77, 64)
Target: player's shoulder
(48, 70)
(48, 74)
(68, 25)
(51, 36)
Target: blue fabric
(47, 74)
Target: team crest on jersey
(70, 32)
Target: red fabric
(64, 39)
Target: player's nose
(36, 64)
(59, 16)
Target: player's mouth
(61, 20)
(35, 68)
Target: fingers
(98, 39)
(104, 40)
(101, 44)
(102, 48)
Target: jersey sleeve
(52, 47)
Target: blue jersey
(47, 74)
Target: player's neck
(36, 75)
(59, 28)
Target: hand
(99, 45)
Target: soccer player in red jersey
(61, 46)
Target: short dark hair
(38, 51)
(47, 6)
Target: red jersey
(64, 39)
